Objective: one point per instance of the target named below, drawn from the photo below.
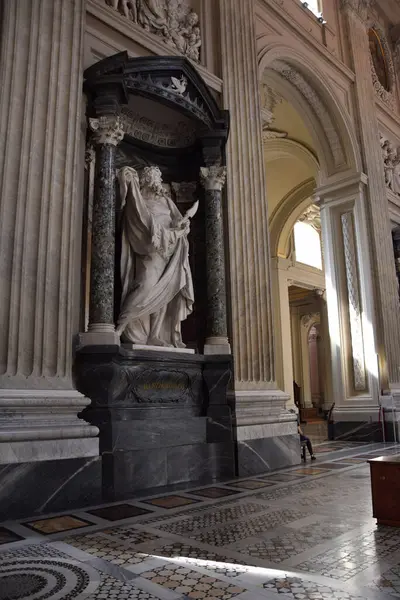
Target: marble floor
(301, 533)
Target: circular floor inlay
(42, 579)
(17, 586)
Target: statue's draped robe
(151, 14)
(152, 251)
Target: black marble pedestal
(163, 417)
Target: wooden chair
(303, 451)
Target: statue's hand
(183, 227)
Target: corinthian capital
(360, 8)
(107, 130)
(213, 178)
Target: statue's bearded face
(152, 178)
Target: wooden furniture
(385, 483)
(303, 450)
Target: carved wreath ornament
(172, 20)
(382, 67)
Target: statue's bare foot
(179, 344)
(155, 341)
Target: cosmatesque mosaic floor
(304, 533)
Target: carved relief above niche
(173, 21)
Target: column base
(217, 345)
(98, 338)
(40, 425)
(266, 432)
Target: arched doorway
(313, 167)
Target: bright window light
(314, 5)
(307, 245)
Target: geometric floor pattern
(305, 535)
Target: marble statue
(391, 163)
(157, 286)
(151, 15)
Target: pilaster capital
(360, 8)
(107, 130)
(310, 319)
(213, 178)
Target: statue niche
(157, 287)
(154, 404)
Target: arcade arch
(312, 159)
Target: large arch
(300, 79)
(295, 74)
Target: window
(315, 6)
(307, 243)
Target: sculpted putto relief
(391, 161)
(172, 20)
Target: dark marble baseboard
(358, 431)
(130, 471)
(267, 454)
(35, 488)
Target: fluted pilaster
(40, 214)
(247, 206)
(387, 318)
